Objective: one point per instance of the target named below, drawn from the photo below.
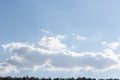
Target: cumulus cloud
(52, 43)
(52, 54)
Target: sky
(60, 38)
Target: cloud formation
(52, 54)
(112, 45)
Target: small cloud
(78, 37)
(60, 36)
(45, 31)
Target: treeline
(35, 78)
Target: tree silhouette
(34, 78)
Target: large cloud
(52, 54)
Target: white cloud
(52, 54)
(78, 37)
(112, 45)
(17, 58)
(52, 43)
(45, 31)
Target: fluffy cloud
(52, 43)
(52, 54)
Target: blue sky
(60, 38)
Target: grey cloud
(60, 59)
(27, 56)
(66, 61)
